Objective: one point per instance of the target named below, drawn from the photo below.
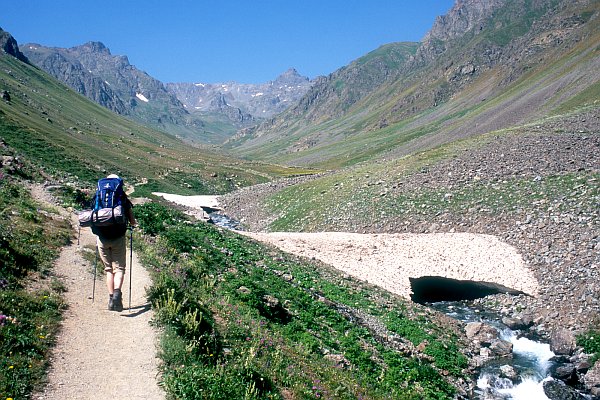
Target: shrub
(590, 341)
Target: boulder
(558, 390)
(564, 372)
(501, 348)
(507, 371)
(592, 379)
(515, 323)
(481, 333)
(562, 341)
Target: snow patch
(200, 84)
(141, 97)
(258, 94)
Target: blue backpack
(108, 217)
(109, 194)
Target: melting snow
(258, 94)
(141, 97)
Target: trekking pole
(130, 263)
(95, 269)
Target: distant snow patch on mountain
(260, 100)
(141, 97)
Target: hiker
(111, 244)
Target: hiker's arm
(129, 213)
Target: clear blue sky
(212, 41)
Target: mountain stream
(530, 362)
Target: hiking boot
(117, 300)
(111, 304)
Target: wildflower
(2, 319)
(11, 366)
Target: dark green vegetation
(516, 63)
(590, 341)
(243, 321)
(30, 301)
(69, 136)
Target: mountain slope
(68, 135)
(114, 83)
(483, 66)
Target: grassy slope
(371, 193)
(557, 81)
(244, 321)
(30, 299)
(68, 134)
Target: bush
(590, 341)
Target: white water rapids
(533, 355)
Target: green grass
(29, 317)
(241, 318)
(590, 341)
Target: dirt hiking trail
(100, 354)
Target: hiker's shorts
(113, 253)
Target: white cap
(113, 176)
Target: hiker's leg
(110, 282)
(105, 252)
(119, 254)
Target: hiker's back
(111, 201)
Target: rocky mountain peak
(92, 47)
(464, 16)
(9, 45)
(252, 101)
(291, 77)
